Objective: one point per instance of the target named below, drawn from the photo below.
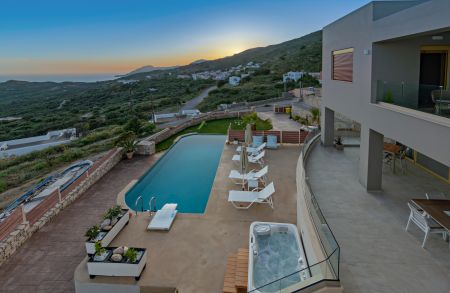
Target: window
(343, 65)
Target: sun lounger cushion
(257, 141)
(272, 142)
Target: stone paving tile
(47, 261)
(377, 255)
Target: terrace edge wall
(25, 229)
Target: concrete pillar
(327, 136)
(371, 159)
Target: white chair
(164, 217)
(251, 150)
(251, 197)
(427, 225)
(260, 175)
(255, 159)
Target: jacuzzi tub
(275, 252)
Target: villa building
(391, 75)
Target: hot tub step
(229, 280)
(242, 268)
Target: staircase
(236, 274)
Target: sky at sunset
(93, 37)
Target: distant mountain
(149, 68)
(199, 61)
(304, 53)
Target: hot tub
(275, 252)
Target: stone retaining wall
(168, 132)
(46, 211)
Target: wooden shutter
(343, 65)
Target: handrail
(139, 198)
(150, 206)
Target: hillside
(48, 105)
(304, 53)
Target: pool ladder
(139, 199)
(151, 204)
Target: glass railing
(326, 269)
(299, 280)
(433, 99)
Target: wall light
(437, 38)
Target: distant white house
(234, 80)
(244, 75)
(127, 81)
(293, 75)
(184, 76)
(22, 146)
(191, 113)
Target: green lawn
(213, 127)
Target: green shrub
(388, 97)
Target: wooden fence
(45, 205)
(10, 223)
(18, 217)
(283, 136)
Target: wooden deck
(236, 274)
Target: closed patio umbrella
(248, 134)
(244, 163)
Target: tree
(134, 125)
(308, 80)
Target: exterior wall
(398, 60)
(52, 205)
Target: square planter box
(111, 234)
(117, 269)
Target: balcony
(426, 98)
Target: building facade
(391, 75)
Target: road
(192, 104)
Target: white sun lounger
(259, 158)
(237, 177)
(251, 197)
(252, 150)
(164, 217)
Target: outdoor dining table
(393, 150)
(438, 209)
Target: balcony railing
(428, 98)
(326, 269)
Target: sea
(61, 77)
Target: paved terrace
(192, 255)
(377, 255)
(47, 261)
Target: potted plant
(388, 97)
(94, 234)
(127, 141)
(121, 261)
(101, 253)
(112, 214)
(130, 254)
(114, 219)
(339, 143)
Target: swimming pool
(184, 175)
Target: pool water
(184, 175)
